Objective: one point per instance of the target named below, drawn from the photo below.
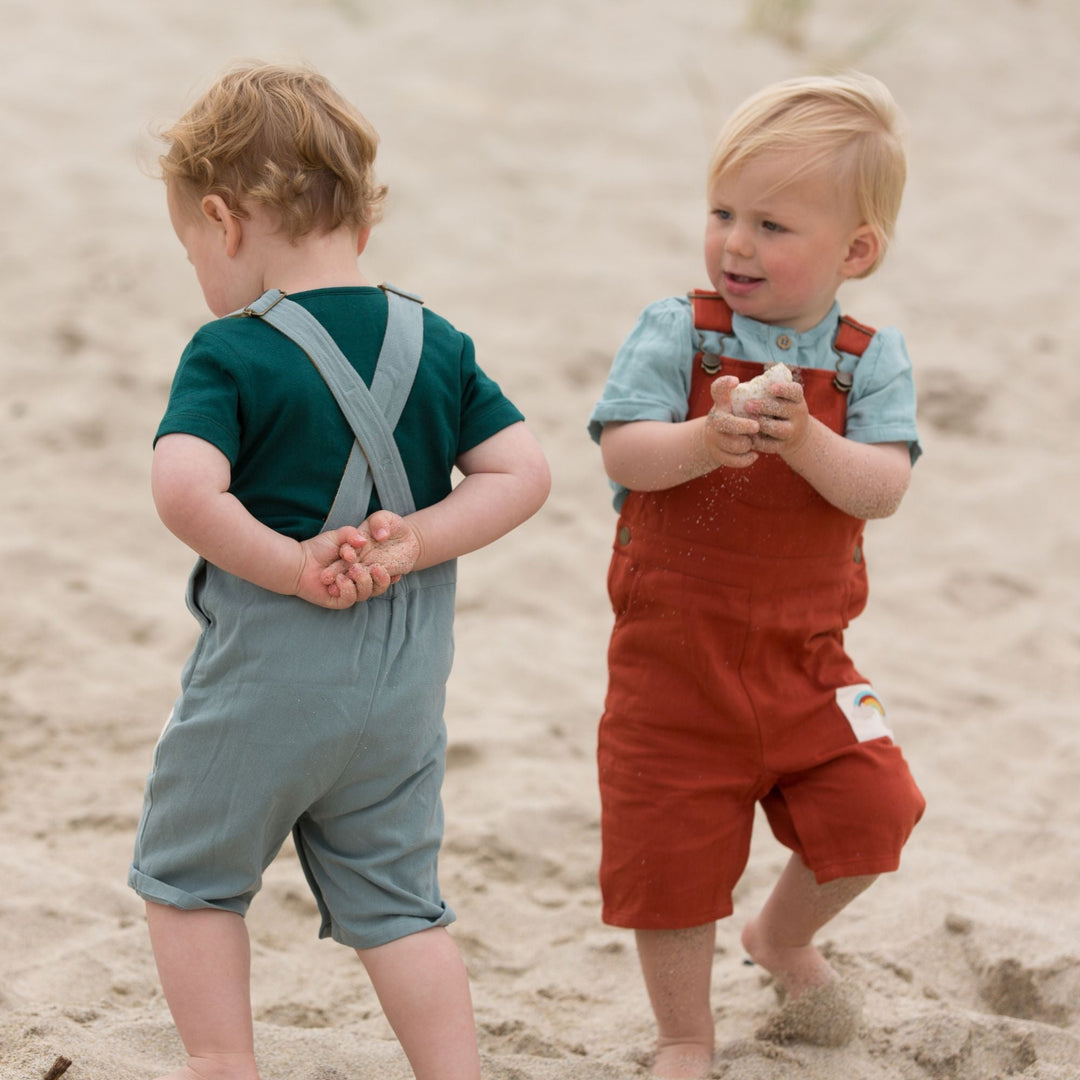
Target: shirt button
(624, 535)
(858, 554)
(783, 342)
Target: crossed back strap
(372, 414)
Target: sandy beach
(546, 173)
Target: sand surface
(545, 164)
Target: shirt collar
(767, 344)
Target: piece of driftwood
(59, 1067)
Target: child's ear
(361, 240)
(217, 213)
(864, 247)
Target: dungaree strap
(712, 312)
(372, 414)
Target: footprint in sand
(1042, 987)
(1012, 989)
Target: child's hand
(387, 545)
(729, 439)
(783, 419)
(325, 577)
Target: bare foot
(820, 1009)
(796, 968)
(681, 1060)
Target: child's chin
(744, 305)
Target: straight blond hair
(848, 124)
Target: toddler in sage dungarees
(738, 562)
(306, 455)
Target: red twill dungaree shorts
(729, 686)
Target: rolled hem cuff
(388, 930)
(158, 892)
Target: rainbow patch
(870, 700)
(864, 711)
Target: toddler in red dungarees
(738, 563)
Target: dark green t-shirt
(247, 389)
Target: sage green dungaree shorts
(328, 724)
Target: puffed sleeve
(650, 376)
(881, 408)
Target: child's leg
(424, 991)
(677, 965)
(780, 937)
(204, 961)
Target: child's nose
(740, 240)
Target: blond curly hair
(279, 137)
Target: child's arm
(865, 480)
(190, 479)
(653, 455)
(506, 480)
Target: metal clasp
(387, 287)
(843, 380)
(258, 308)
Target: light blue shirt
(650, 377)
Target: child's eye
(723, 215)
(773, 226)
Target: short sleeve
(881, 408)
(650, 375)
(205, 397)
(485, 410)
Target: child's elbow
(536, 481)
(529, 467)
(171, 492)
(889, 495)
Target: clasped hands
(346, 566)
(778, 424)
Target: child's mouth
(740, 284)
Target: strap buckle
(853, 338)
(387, 287)
(258, 308)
